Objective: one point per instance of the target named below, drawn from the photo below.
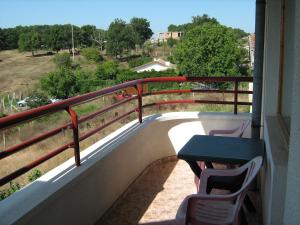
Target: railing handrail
(67, 105)
(62, 105)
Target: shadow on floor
(147, 200)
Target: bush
(139, 61)
(107, 70)
(13, 187)
(60, 84)
(37, 99)
(92, 54)
(2, 114)
(171, 42)
(34, 174)
(62, 60)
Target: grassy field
(20, 72)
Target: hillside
(19, 72)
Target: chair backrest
(244, 127)
(240, 129)
(252, 168)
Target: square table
(227, 150)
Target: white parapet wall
(81, 195)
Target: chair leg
(243, 217)
(248, 203)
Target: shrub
(107, 70)
(171, 42)
(139, 61)
(62, 60)
(13, 187)
(92, 54)
(37, 99)
(60, 84)
(2, 114)
(34, 174)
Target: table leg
(195, 168)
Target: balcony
(131, 176)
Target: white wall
(156, 67)
(275, 167)
(292, 203)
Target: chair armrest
(212, 197)
(181, 212)
(217, 173)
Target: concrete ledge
(81, 195)
(274, 172)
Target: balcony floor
(153, 199)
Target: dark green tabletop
(221, 149)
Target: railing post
(75, 135)
(236, 87)
(140, 101)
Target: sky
(160, 13)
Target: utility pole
(73, 49)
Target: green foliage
(86, 35)
(60, 84)
(37, 99)
(30, 41)
(66, 82)
(13, 187)
(85, 81)
(62, 60)
(120, 37)
(196, 21)
(139, 61)
(92, 54)
(2, 40)
(34, 174)
(142, 28)
(209, 50)
(171, 42)
(107, 70)
(2, 114)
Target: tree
(60, 84)
(172, 42)
(107, 70)
(30, 41)
(92, 54)
(56, 39)
(87, 33)
(196, 21)
(37, 99)
(62, 60)
(120, 37)
(142, 27)
(209, 50)
(2, 40)
(99, 38)
(199, 20)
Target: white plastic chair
(213, 209)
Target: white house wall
(292, 202)
(156, 67)
(275, 166)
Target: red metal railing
(67, 105)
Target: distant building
(167, 35)
(156, 65)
